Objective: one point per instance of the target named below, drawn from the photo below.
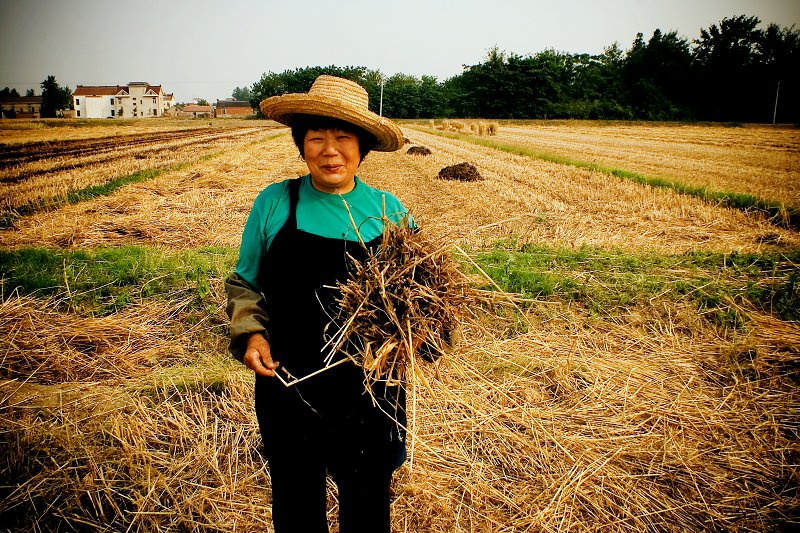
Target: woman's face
(332, 157)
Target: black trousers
(304, 443)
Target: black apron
(299, 282)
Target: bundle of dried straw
(406, 300)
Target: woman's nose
(330, 147)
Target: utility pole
(775, 112)
(380, 108)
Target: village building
(196, 111)
(20, 106)
(135, 100)
(233, 108)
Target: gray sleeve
(247, 312)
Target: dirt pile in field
(418, 150)
(460, 172)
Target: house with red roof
(138, 99)
(196, 111)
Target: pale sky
(205, 48)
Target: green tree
(779, 57)
(300, 81)
(590, 87)
(202, 101)
(401, 96)
(54, 98)
(431, 98)
(371, 81)
(728, 61)
(656, 76)
(30, 92)
(507, 85)
(241, 93)
(5, 91)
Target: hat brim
(282, 108)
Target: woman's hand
(257, 356)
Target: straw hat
(335, 97)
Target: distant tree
(733, 72)
(30, 92)
(202, 101)
(401, 96)
(431, 98)
(241, 93)
(727, 59)
(54, 98)
(656, 76)
(8, 92)
(300, 81)
(592, 87)
(507, 85)
(371, 81)
(779, 57)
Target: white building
(135, 100)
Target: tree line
(734, 71)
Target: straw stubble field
(647, 379)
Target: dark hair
(302, 123)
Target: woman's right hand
(257, 356)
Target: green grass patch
(609, 282)
(104, 280)
(777, 212)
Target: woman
(296, 246)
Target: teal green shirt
(319, 213)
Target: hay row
(759, 161)
(41, 344)
(204, 205)
(519, 197)
(470, 126)
(542, 202)
(16, 132)
(51, 185)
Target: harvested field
(36, 174)
(54, 130)
(539, 201)
(647, 380)
(180, 209)
(759, 160)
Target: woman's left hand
(258, 356)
